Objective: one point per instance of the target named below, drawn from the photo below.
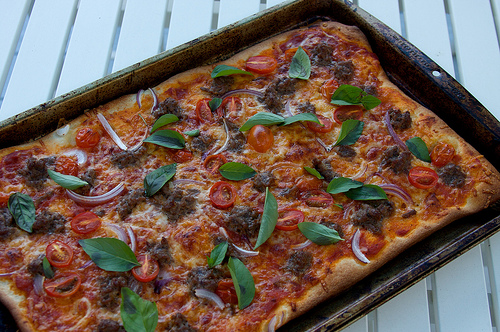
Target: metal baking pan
(407, 67)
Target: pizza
(231, 197)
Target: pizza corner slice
(231, 197)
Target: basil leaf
(419, 149)
(225, 70)
(262, 118)
(314, 172)
(22, 208)
(66, 181)
(47, 269)
(192, 133)
(110, 254)
(217, 255)
(319, 234)
(349, 132)
(243, 282)
(269, 219)
(301, 117)
(236, 171)
(352, 95)
(163, 121)
(300, 66)
(340, 206)
(156, 179)
(167, 138)
(138, 315)
(366, 192)
(342, 185)
(214, 104)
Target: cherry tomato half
(325, 126)
(260, 138)
(229, 105)
(317, 198)
(63, 285)
(203, 111)
(261, 64)
(347, 112)
(59, 254)
(289, 219)
(222, 195)
(442, 154)
(86, 222)
(226, 291)
(67, 165)
(148, 270)
(328, 88)
(214, 162)
(182, 156)
(87, 138)
(423, 177)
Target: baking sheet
(407, 67)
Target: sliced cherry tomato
(59, 254)
(203, 111)
(307, 183)
(63, 285)
(442, 154)
(87, 138)
(328, 88)
(317, 198)
(213, 162)
(229, 105)
(182, 156)
(325, 126)
(289, 219)
(222, 195)
(423, 177)
(261, 64)
(67, 165)
(148, 270)
(226, 291)
(260, 138)
(86, 222)
(291, 52)
(347, 112)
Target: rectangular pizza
(231, 197)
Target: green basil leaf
(340, 206)
(366, 192)
(66, 181)
(110, 254)
(156, 179)
(349, 132)
(47, 269)
(301, 117)
(314, 172)
(167, 138)
(225, 70)
(22, 208)
(342, 185)
(269, 218)
(262, 118)
(138, 315)
(352, 95)
(193, 133)
(217, 255)
(419, 149)
(243, 282)
(163, 121)
(214, 104)
(236, 171)
(300, 66)
(319, 234)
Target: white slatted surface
(49, 47)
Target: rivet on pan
(436, 73)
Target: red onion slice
(155, 99)
(387, 121)
(244, 252)
(138, 98)
(63, 130)
(85, 265)
(119, 231)
(38, 284)
(237, 91)
(355, 248)
(162, 280)
(271, 326)
(327, 149)
(96, 200)
(301, 245)
(114, 136)
(81, 156)
(208, 295)
(396, 191)
(8, 274)
(133, 238)
(228, 137)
